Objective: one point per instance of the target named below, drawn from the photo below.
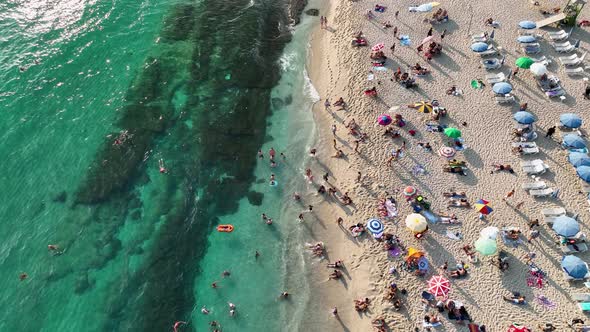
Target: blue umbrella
(502, 88)
(566, 226)
(479, 47)
(570, 120)
(524, 117)
(526, 39)
(527, 25)
(573, 141)
(584, 173)
(574, 266)
(375, 226)
(422, 263)
(579, 159)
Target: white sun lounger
(532, 162)
(490, 51)
(537, 185)
(496, 78)
(581, 297)
(572, 60)
(542, 60)
(524, 145)
(533, 150)
(570, 249)
(538, 193)
(534, 170)
(565, 49)
(553, 212)
(504, 99)
(559, 35)
(564, 44)
(491, 64)
(533, 48)
(574, 71)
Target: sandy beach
(339, 70)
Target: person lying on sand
(500, 167)
(459, 272)
(339, 154)
(516, 299)
(448, 219)
(362, 305)
(336, 264)
(454, 194)
(335, 275)
(379, 324)
(468, 249)
(340, 101)
(459, 203)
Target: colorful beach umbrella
(489, 232)
(570, 120)
(416, 223)
(446, 151)
(482, 206)
(524, 62)
(566, 226)
(452, 132)
(486, 246)
(527, 25)
(524, 117)
(375, 226)
(479, 47)
(423, 106)
(410, 191)
(574, 266)
(526, 39)
(384, 119)
(439, 286)
(578, 159)
(573, 141)
(378, 47)
(518, 328)
(414, 254)
(502, 88)
(584, 173)
(538, 69)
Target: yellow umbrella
(423, 106)
(416, 223)
(414, 253)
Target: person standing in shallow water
(272, 153)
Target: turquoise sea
(95, 97)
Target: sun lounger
(562, 45)
(490, 51)
(496, 78)
(572, 249)
(537, 185)
(572, 60)
(549, 220)
(504, 99)
(574, 71)
(524, 145)
(565, 49)
(538, 193)
(559, 35)
(532, 162)
(542, 60)
(581, 236)
(491, 64)
(534, 170)
(553, 212)
(533, 48)
(532, 150)
(581, 297)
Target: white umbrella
(538, 69)
(490, 232)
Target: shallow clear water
(191, 83)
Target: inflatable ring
(273, 183)
(225, 228)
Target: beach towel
(454, 235)
(437, 324)
(394, 252)
(545, 302)
(391, 209)
(379, 68)
(430, 216)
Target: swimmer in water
(257, 254)
(273, 163)
(204, 311)
(177, 325)
(284, 295)
(54, 248)
(23, 276)
(214, 285)
(272, 178)
(260, 154)
(269, 221)
(225, 273)
(272, 153)
(162, 168)
(264, 217)
(296, 196)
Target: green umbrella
(486, 246)
(453, 132)
(524, 62)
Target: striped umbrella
(446, 151)
(423, 106)
(410, 191)
(482, 207)
(378, 47)
(375, 226)
(439, 286)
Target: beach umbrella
(526, 39)
(527, 25)
(384, 119)
(482, 206)
(479, 47)
(410, 191)
(413, 254)
(518, 328)
(538, 69)
(422, 263)
(416, 223)
(570, 120)
(452, 132)
(378, 47)
(489, 232)
(566, 226)
(573, 141)
(578, 159)
(427, 7)
(524, 117)
(446, 151)
(574, 266)
(423, 106)
(375, 226)
(524, 62)
(502, 88)
(584, 173)
(439, 286)
(486, 246)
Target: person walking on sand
(550, 132)
(356, 146)
(359, 177)
(395, 31)
(327, 105)
(396, 14)
(325, 22)
(334, 311)
(392, 48)
(335, 145)
(508, 195)
(334, 128)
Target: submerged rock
(277, 102)
(59, 197)
(289, 100)
(255, 198)
(312, 12)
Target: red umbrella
(378, 47)
(518, 328)
(384, 119)
(439, 286)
